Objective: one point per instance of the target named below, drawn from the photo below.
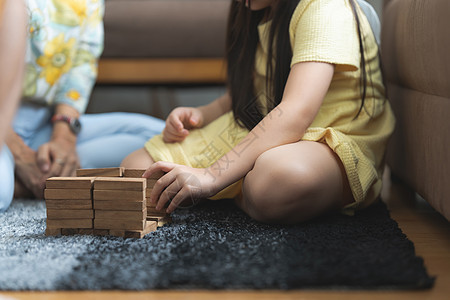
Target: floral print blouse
(65, 40)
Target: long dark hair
(242, 41)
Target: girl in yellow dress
(303, 127)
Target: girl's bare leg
(295, 182)
(139, 159)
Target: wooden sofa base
(159, 71)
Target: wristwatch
(74, 123)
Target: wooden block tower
(120, 206)
(102, 202)
(69, 205)
(152, 214)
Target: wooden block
(70, 223)
(134, 173)
(156, 215)
(57, 214)
(148, 191)
(89, 231)
(119, 224)
(121, 214)
(101, 232)
(137, 173)
(152, 210)
(149, 205)
(120, 183)
(118, 233)
(101, 172)
(161, 220)
(150, 226)
(69, 231)
(118, 205)
(69, 194)
(53, 231)
(68, 204)
(150, 184)
(119, 195)
(69, 182)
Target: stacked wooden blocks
(120, 206)
(69, 205)
(102, 202)
(152, 214)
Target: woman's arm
(13, 31)
(58, 157)
(305, 90)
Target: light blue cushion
(372, 17)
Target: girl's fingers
(170, 138)
(170, 135)
(182, 195)
(176, 123)
(160, 185)
(173, 132)
(162, 182)
(168, 194)
(176, 134)
(159, 166)
(194, 121)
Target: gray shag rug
(212, 246)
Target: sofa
(415, 48)
(164, 41)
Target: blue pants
(104, 141)
(6, 178)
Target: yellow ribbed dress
(322, 31)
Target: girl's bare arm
(216, 108)
(305, 90)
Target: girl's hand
(179, 122)
(180, 183)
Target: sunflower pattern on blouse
(65, 40)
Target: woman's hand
(58, 158)
(180, 121)
(26, 166)
(28, 171)
(180, 183)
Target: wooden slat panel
(177, 70)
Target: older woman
(50, 135)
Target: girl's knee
(272, 191)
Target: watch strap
(62, 118)
(74, 123)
